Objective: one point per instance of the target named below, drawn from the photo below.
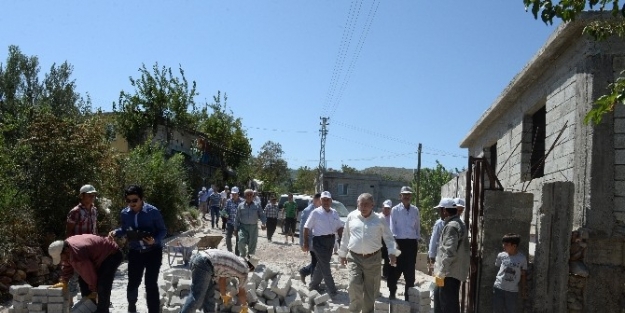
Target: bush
(163, 179)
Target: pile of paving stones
(274, 290)
(43, 299)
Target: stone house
(535, 139)
(346, 187)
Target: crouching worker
(213, 265)
(95, 259)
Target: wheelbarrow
(184, 246)
(209, 242)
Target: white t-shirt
(323, 223)
(510, 267)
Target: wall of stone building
(504, 212)
(456, 187)
(358, 184)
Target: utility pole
(418, 173)
(322, 152)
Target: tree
(600, 29)
(348, 169)
(271, 167)
(305, 180)
(159, 99)
(226, 138)
(432, 179)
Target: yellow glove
(61, 284)
(243, 309)
(226, 298)
(93, 296)
(440, 281)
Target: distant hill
(394, 173)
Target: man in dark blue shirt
(143, 224)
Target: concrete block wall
(504, 212)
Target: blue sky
(404, 72)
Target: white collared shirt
(405, 223)
(323, 223)
(387, 219)
(362, 235)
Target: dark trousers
(323, 246)
(387, 263)
(310, 268)
(405, 265)
(229, 233)
(150, 262)
(447, 298)
(214, 216)
(224, 220)
(272, 222)
(106, 273)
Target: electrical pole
(322, 152)
(418, 174)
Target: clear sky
(389, 74)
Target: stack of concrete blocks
(419, 300)
(176, 287)
(43, 299)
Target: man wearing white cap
(406, 228)
(436, 231)
(386, 215)
(203, 201)
(82, 219)
(214, 265)
(460, 206)
(232, 206)
(360, 246)
(95, 259)
(322, 223)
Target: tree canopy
(601, 29)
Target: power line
(363, 38)
(278, 130)
(348, 32)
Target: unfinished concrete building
(562, 181)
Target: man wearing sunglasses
(143, 224)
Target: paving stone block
(35, 306)
(255, 278)
(281, 285)
(42, 290)
(270, 309)
(322, 298)
(383, 306)
(259, 306)
(251, 296)
(184, 284)
(270, 272)
(54, 292)
(56, 307)
(57, 299)
(320, 308)
(24, 297)
(20, 289)
(273, 302)
(269, 294)
(399, 306)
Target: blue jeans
(202, 286)
(150, 262)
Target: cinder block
(259, 306)
(251, 296)
(254, 278)
(43, 290)
(24, 298)
(269, 294)
(58, 299)
(35, 306)
(270, 272)
(321, 308)
(383, 306)
(322, 298)
(293, 300)
(312, 294)
(55, 307)
(273, 302)
(90, 305)
(184, 284)
(281, 285)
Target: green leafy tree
(599, 29)
(226, 139)
(271, 168)
(432, 179)
(305, 180)
(163, 179)
(159, 99)
(348, 169)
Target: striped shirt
(215, 199)
(272, 210)
(227, 264)
(84, 220)
(232, 207)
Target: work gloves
(226, 298)
(61, 284)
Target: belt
(364, 255)
(325, 236)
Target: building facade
(346, 187)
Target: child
(512, 267)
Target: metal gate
(478, 171)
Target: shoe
(302, 277)
(132, 308)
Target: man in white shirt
(360, 246)
(323, 222)
(386, 216)
(406, 228)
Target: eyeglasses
(135, 200)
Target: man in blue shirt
(143, 224)
(310, 268)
